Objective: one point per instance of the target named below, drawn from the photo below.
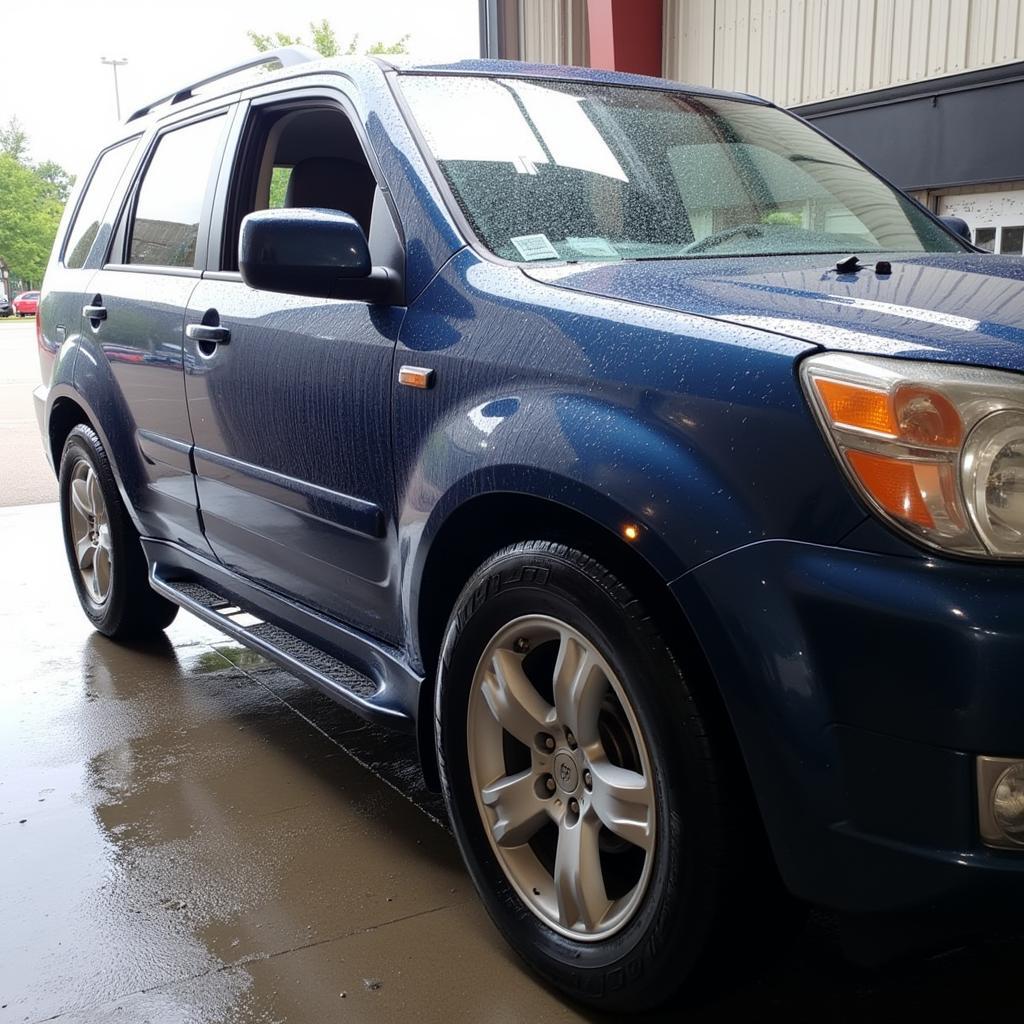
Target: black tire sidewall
(646, 960)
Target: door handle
(210, 335)
(94, 313)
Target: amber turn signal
(911, 414)
(852, 405)
(416, 377)
(893, 484)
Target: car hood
(956, 307)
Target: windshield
(576, 171)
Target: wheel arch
(65, 414)
(67, 408)
(486, 523)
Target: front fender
(692, 428)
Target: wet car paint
(190, 835)
(960, 308)
(624, 393)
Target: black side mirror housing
(320, 253)
(958, 226)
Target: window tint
(97, 196)
(171, 198)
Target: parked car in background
(654, 462)
(5, 306)
(26, 304)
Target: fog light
(1001, 801)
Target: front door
(289, 397)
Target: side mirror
(320, 253)
(958, 226)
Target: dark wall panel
(967, 129)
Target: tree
(324, 41)
(32, 200)
(14, 140)
(399, 46)
(29, 215)
(57, 181)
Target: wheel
(107, 563)
(585, 788)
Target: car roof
(559, 72)
(232, 80)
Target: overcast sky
(52, 79)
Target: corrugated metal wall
(553, 31)
(803, 51)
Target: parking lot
(187, 833)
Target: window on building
(170, 203)
(1012, 241)
(985, 238)
(95, 200)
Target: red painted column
(625, 35)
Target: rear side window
(170, 201)
(95, 200)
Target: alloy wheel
(562, 777)
(90, 532)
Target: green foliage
(399, 46)
(325, 41)
(32, 200)
(14, 141)
(271, 42)
(57, 181)
(29, 215)
(279, 186)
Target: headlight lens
(1008, 803)
(937, 450)
(994, 479)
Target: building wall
(805, 51)
(553, 31)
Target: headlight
(937, 450)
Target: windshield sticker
(534, 247)
(593, 246)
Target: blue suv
(654, 462)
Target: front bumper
(862, 687)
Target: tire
(112, 580)
(698, 862)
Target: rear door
(136, 308)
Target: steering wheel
(712, 241)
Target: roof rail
(286, 56)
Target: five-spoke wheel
(562, 775)
(89, 524)
(103, 547)
(597, 815)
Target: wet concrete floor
(189, 834)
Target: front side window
(95, 200)
(170, 202)
(546, 170)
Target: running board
(337, 679)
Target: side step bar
(337, 679)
